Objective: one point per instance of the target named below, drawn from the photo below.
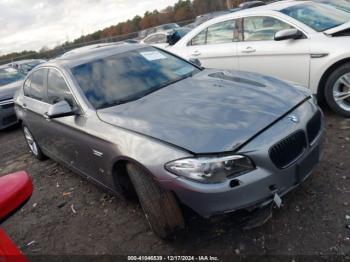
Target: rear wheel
(337, 90)
(32, 144)
(159, 205)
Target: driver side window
(262, 28)
(57, 89)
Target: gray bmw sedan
(138, 120)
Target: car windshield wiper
(170, 83)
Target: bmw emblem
(293, 118)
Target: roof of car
(277, 6)
(274, 6)
(90, 53)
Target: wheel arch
(325, 76)
(121, 178)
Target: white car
(340, 4)
(300, 41)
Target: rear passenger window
(37, 89)
(221, 33)
(57, 88)
(200, 39)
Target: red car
(15, 190)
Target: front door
(61, 134)
(259, 52)
(69, 136)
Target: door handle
(24, 106)
(249, 50)
(196, 53)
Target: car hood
(338, 29)
(213, 111)
(9, 90)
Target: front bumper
(7, 114)
(258, 187)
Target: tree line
(183, 10)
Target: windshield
(318, 17)
(129, 76)
(9, 75)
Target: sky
(32, 24)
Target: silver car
(10, 81)
(25, 66)
(135, 119)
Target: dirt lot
(312, 221)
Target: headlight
(210, 169)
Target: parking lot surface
(69, 215)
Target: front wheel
(337, 90)
(32, 144)
(159, 205)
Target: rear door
(35, 106)
(215, 46)
(259, 52)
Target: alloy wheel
(341, 92)
(30, 140)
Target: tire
(339, 81)
(32, 144)
(159, 205)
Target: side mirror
(288, 34)
(196, 62)
(59, 109)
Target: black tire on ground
(159, 205)
(328, 91)
(38, 154)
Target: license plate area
(307, 164)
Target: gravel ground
(312, 221)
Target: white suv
(300, 41)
